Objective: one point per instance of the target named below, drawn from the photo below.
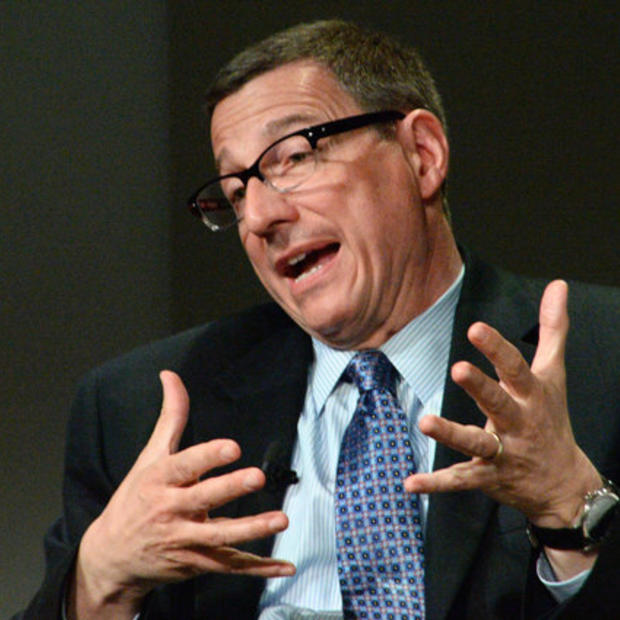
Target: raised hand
(540, 469)
(156, 527)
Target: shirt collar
(419, 352)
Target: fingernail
(228, 452)
(276, 523)
(252, 481)
(288, 570)
(481, 334)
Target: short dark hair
(375, 69)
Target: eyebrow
(277, 126)
(275, 129)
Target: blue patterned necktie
(378, 532)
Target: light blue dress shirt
(420, 352)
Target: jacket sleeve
(599, 597)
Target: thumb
(173, 417)
(553, 319)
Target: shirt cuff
(560, 590)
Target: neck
(438, 267)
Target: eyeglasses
(283, 166)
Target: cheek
(253, 247)
(256, 255)
(383, 219)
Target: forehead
(273, 103)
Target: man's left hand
(540, 469)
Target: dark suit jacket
(246, 377)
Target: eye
(285, 156)
(234, 191)
(298, 156)
(293, 152)
(236, 198)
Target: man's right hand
(156, 527)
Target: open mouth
(307, 263)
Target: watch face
(599, 515)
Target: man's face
(346, 254)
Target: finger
(232, 560)
(230, 532)
(236, 561)
(172, 418)
(491, 398)
(473, 474)
(467, 439)
(188, 465)
(508, 362)
(554, 324)
(220, 490)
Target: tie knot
(371, 370)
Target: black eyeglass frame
(313, 134)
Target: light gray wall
(103, 138)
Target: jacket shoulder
(212, 345)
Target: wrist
(84, 602)
(96, 590)
(567, 565)
(567, 505)
(589, 529)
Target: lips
(305, 263)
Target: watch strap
(557, 538)
(578, 537)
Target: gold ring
(500, 446)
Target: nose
(266, 209)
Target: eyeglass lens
(284, 166)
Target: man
(343, 216)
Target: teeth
(309, 272)
(297, 259)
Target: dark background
(103, 138)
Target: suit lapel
(263, 392)
(457, 521)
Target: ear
(424, 141)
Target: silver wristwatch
(598, 511)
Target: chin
(327, 318)
(324, 325)
(336, 332)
